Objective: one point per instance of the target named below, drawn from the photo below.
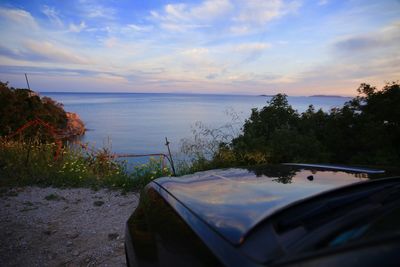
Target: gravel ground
(63, 227)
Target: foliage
(19, 106)
(32, 163)
(365, 130)
(205, 143)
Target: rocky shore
(63, 227)
(75, 126)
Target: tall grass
(205, 149)
(33, 163)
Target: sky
(297, 47)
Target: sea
(138, 123)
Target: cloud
(91, 9)
(43, 52)
(251, 51)
(139, 28)
(261, 12)
(371, 57)
(196, 58)
(196, 52)
(384, 38)
(77, 28)
(211, 9)
(46, 70)
(54, 53)
(240, 29)
(176, 27)
(53, 15)
(252, 47)
(212, 76)
(205, 11)
(239, 17)
(182, 17)
(19, 16)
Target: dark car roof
(233, 201)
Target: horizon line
(181, 93)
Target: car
(273, 215)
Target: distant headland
(327, 96)
(332, 96)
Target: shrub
(32, 163)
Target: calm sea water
(138, 123)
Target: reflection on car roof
(233, 201)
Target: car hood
(233, 201)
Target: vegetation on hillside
(365, 131)
(34, 157)
(19, 106)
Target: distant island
(332, 96)
(327, 96)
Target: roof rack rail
(338, 167)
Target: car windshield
(384, 225)
(314, 214)
(357, 213)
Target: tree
(366, 130)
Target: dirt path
(63, 227)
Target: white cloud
(206, 11)
(251, 47)
(51, 52)
(77, 27)
(387, 38)
(211, 9)
(19, 16)
(91, 9)
(239, 17)
(176, 12)
(176, 27)
(250, 52)
(260, 11)
(196, 52)
(240, 29)
(53, 15)
(139, 28)
(182, 17)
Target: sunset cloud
(222, 46)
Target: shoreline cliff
(75, 126)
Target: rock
(98, 203)
(75, 125)
(72, 235)
(113, 236)
(47, 232)
(69, 243)
(75, 253)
